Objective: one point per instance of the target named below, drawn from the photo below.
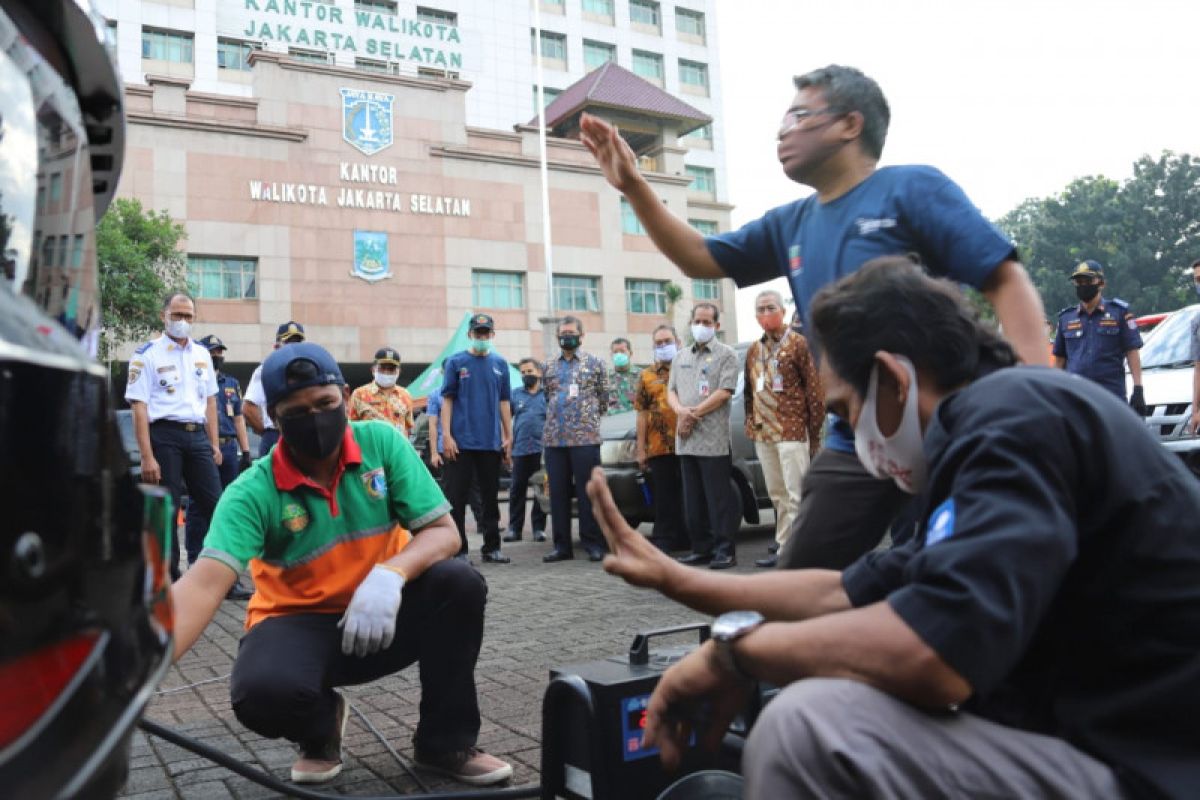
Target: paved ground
(538, 616)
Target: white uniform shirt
(256, 395)
(174, 382)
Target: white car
(1167, 380)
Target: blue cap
(274, 370)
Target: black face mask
(218, 362)
(530, 381)
(314, 435)
(1086, 291)
(568, 341)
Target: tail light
(31, 684)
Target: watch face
(729, 625)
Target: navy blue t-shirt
(529, 420)
(477, 385)
(895, 211)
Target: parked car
(1167, 380)
(134, 454)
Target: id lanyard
(772, 368)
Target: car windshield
(1171, 343)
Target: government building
(371, 168)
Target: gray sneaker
(323, 762)
(471, 766)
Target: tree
(139, 263)
(1145, 232)
(674, 293)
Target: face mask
(386, 381)
(218, 362)
(900, 456)
(530, 381)
(179, 328)
(703, 334)
(568, 341)
(1087, 291)
(314, 435)
(620, 360)
(481, 346)
(665, 353)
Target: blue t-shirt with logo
(477, 385)
(895, 211)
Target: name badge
(759, 384)
(573, 390)
(777, 383)
(229, 409)
(703, 387)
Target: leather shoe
(237, 592)
(512, 537)
(769, 561)
(539, 536)
(596, 555)
(557, 555)
(495, 557)
(773, 548)
(695, 558)
(723, 562)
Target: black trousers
(569, 469)
(193, 537)
(269, 437)
(666, 482)
(483, 466)
(523, 468)
(187, 456)
(711, 503)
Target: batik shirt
(651, 397)
(576, 399)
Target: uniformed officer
(173, 393)
(290, 332)
(1097, 336)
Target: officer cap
(482, 322)
(274, 370)
(288, 331)
(387, 355)
(1088, 269)
(212, 342)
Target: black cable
(383, 739)
(271, 782)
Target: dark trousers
(523, 468)
(569, 469)
(228, 471)
(287, 666)
(193, 536)
(269, 437)
(844, 512)
(483, 466)
(666, 482)
(711, 503)
(187, 456)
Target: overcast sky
(1010, 99)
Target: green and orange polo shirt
(308, 548)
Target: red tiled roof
(616, 87)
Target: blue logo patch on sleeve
(941, 523)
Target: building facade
(369, 167)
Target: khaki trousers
(783, 466)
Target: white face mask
(665, 352)
(703, 334)
(179, 328)
(386, 381)
(900, 456)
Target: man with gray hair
(785, 411)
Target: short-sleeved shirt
(433, 407)
(255, 394)
(308, 548)
(895, 211)
(174, 381)
(782, 393)
(651, 398)
(696, 373)
(393, 405)
(529, 421)
(229, 404)
(1061, 580)
(477, 385)
(622, 386)
(576, 399)
(1095, 343)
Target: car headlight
(618, 451)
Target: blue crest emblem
(375, 482)
(367, 119)
(941, 523)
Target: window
(645, 14)
(648, 65)
(376, 6)
(167, 46)
(689, 25)
(48, 251)
(693, 77)
(223, 278)
(629, 221)
(497, 289)
(597, 54)
(599, 8)
(64, 244)
(704, 180)
(310, 56)
(233, 54)
(701, 138)
(706, 288)
(646, 297)
(371, 65)
(41, 199)
(56, 187)
(705, 226)
(437, 16)
(554, 46)
(547, 93)
(576, 293)
(77, 251)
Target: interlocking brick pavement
(538, 616)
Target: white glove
(370, 621)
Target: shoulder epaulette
(1065, 310)
(1116, 301)
(144, 347)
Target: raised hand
(613, 154)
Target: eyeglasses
(796, 115)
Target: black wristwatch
(727, 629)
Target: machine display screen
(633, 723)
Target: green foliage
(139, 263)
(1145, 231)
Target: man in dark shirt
(1037, 636)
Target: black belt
(190, 427)
(225, 439)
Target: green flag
(431, 379)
